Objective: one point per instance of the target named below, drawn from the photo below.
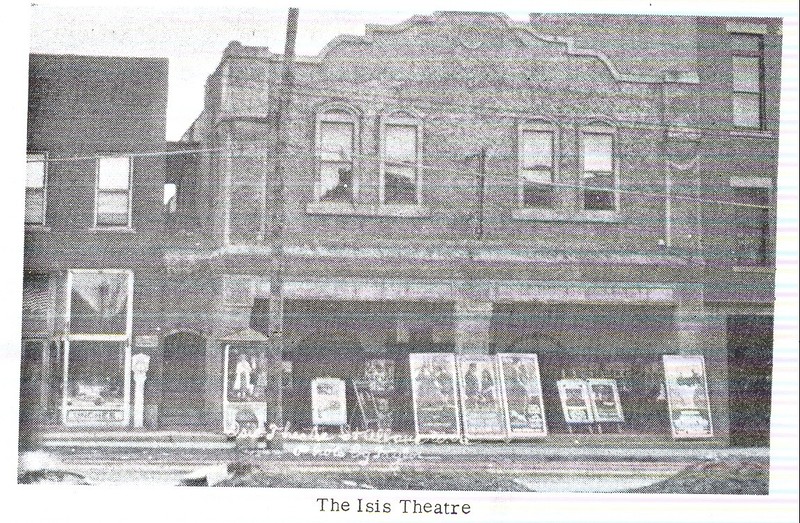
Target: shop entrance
(326, 354)
(183, 380)
(750, 378)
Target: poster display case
(328, 401)
(606, 405)
(575, 401)
(687, 396)
(481, 402)
(522, 395)
(244, 391)
(433, 388)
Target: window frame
(600, 128)
(97, 192)
(123, 339)
(765, 184)
(45, 165)
(538, 126)
(326, 114)
(406, 118)
(742, 53)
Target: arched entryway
(183, 380)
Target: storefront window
(97, 348)
(99, 303)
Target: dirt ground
(731, 476)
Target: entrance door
(750, 378)
(183, 380)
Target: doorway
(750, 378)
(183, 380)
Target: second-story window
(400, 165)
(536, 166)
(113, 192)
(752, 226)
(748, 80)
(335, 144)
(599, 170)
(35, 188)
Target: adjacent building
(595, 189)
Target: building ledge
(122, 230)
(753, 133)
(550, 215)
(754, 269)
(368, 210)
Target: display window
(97, 348)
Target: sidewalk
(553, 447)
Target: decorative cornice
(570, 47)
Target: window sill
(124, 230)
(30, 227)
(757, 269)
(744, 132)
(550, 215)
(360, 209)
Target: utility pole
(278, 197)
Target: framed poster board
(481, 404)
(244, 404)
(433, 390)
(575, 401)
(687, 396)
(606, 406)
(328, 401)
(521, 388)
(375, 409)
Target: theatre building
(596, 190)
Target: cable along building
(596, 189)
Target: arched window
(599, 168)
(400, 167)
(537, 163)
(336, 141)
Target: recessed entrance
(183, 379)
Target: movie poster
(575, 401)
(244, 393)
(606, 405)
(481, 405)
(433, 388)
(687, 396)
(379, 375)
(522, 394)
(328, 401)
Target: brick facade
(653, 270)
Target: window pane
(746, 42)
(537, 150)
(537, 195)
(114, 173)
(34, 173)
(595, 200)
(99, 303)
(95, 374)
(112, 208)
(746, 71)
(746, 110)
(598, 152)
(400, 185)
(336, 182)
(34, 206)
(752, 226)
(336, 141)
(401, 143)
